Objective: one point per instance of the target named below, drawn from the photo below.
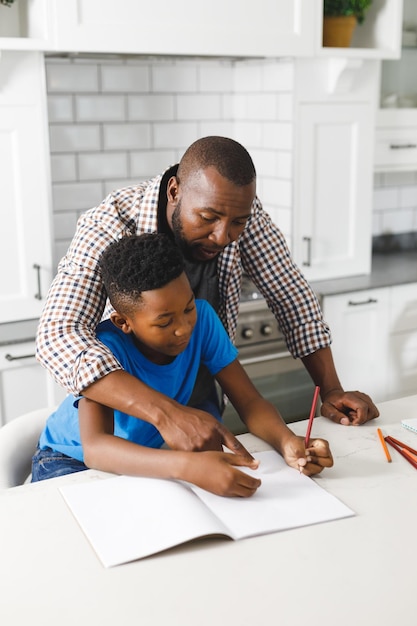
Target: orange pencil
(412, 456)
(384, 445)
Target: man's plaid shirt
(66, 342)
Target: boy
(160, 334)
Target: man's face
(207, 213)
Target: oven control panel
(256, 324)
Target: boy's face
(163, 322)
(207, 212)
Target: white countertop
(358, 570)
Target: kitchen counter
(356, 570)
(387, 270)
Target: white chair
(18, 439)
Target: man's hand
(193, 430)
(350, 408)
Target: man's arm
(350, 408)
(182, 427)
(267, 259)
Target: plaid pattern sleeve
(66, 342)
(266, 258)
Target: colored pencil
(383, 444)
(403, 445)
(312, 414)
(406, 457)
(412, 456)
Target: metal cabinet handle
(10, 357)
(403, 146)
(368, 301)
(308, 262)
(37, 267)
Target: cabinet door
(25, 252)
(236, 27)
(333, 190)
(402, 357)
(359, 324)
(24, 384)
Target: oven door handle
(263, 359)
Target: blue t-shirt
(209, 344)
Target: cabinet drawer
(396, 148)
(17, 355)
(24, 384)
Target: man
(208, 204)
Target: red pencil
(312, 414)
(403, 445)
(396, 447)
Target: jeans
(49, 464)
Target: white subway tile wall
(115, 121)
(395, 203)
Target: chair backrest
(18, 439)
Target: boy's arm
(213, 471)
(263, 420)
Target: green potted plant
(340, 18)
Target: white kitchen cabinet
(333, 174)
(378, 37)
(396, 133)
(233, 28)
(359, 322)
(24, 384)
(375, 339)
(402, 346)
(26, 25)
(25, 253)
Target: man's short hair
(138, 263)
(227, 156)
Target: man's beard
(178, 232)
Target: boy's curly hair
(138, 263)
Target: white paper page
(286, 499)
(127, 518)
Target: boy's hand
(217, 472)
(311, 460)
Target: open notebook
(127, 518)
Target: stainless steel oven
(279, 377)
